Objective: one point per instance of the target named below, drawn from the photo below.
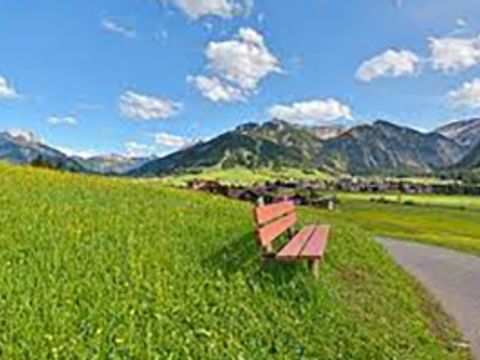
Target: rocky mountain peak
(465, 132)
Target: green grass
(422, 180)
(413, 180)
(439, 220)
(449, 201)
(244, 176)
(96, 268)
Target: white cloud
(170, 140)
(62, 120)
(85, 154)
(161, 141)
(450, 54)
(238, 67)
(312, 112)
(244, 61)
(135, 149)
(215, 89)
(222, 8)
(7, 91)
(391, 63)
(116, 28)
(467, 95)
(144, 107)
(249, 35)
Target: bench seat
(309, 243)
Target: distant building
(210, 186)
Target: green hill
(246, 177)
(114, 268)
(273, 144)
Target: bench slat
(267, 213)
(270, 232)
(292, 250)
(315, 247)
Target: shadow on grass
(243, 255)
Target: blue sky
(146, 76)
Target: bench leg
(268, 251)
(314, 265)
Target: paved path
(452, 277)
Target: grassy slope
(244, 176)
(93, 267)
(440, 221)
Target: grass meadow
(95, 268)
(462, 202)
(247, 177)
(450, 221)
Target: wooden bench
(279, 219)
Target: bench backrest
(273, 221)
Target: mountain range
(23, 149)
(113, 164)
(380, 148)
(385, 148)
